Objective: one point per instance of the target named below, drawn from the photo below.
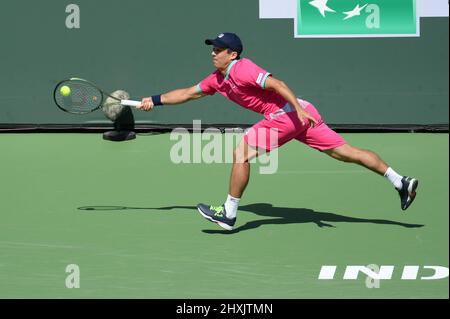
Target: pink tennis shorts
(271, 133)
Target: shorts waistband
(287, 108)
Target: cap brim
(215, 42)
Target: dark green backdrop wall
(151, 46)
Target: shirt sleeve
(253, 75)
(208, 85)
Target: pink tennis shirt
(243, 84)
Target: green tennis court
(125, 214)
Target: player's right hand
(146, 104)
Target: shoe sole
(411, 192)
(223, 225)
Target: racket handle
(130, 103)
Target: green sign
(356, 18)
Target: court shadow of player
(287, 215)
(282, 215)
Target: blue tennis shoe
(216, 214)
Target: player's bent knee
(239, 156)
(244, 153)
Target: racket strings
(83, 97)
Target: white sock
(231, 206)
(394, 178)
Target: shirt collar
(229, 68)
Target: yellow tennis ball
(65, 90)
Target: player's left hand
(303, 116)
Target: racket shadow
(121, 208)
(280, 216)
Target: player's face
(222, 58)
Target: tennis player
(291, 118)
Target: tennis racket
(79, 96)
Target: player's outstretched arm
(170, 98)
